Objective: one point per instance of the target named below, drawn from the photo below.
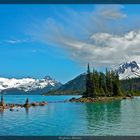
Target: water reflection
(1, 114)
(113, 111)
(101, 114)
(95, 113)
(27, 110)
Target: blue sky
(59, 40)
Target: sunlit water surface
(66, 119)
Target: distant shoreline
(99, 99)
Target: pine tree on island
(89, 84)
(99, 84)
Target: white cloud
(93, 36)
(15, 41)
(112, 12)
(107, 49)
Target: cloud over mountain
(93, 36)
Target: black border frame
(69, 2)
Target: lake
(71, 119)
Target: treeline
(102, 84)
(131, 86)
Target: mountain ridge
(47, 85)
(127, 70)
(28, 84)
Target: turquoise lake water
(71, 119)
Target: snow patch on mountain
(128, 70)
(26, 84)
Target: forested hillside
(78, 85)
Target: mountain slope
(75, 86)
(128, 70)
(27, 85)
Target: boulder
(11, 109)
(1, 108)
(2, 101)
(42, 103)
(124, 98)
(27, 105)
(7, 106)
(72, 99)
(34, 104)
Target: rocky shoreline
(13, 106)
(98, 99)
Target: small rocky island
(12, 106)
(102, 87)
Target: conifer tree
(93, 84)
(116, 85)
(89, 85)
(109, 83)
(96, 83)
(100, 84)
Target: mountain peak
(47, 77)
(27, 84)
(129, 69)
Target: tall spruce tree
(89, 84)
(93, 84)
(116, 85)
(96, 83)
(100, 84)
(109, 83)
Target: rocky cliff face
(128, 70)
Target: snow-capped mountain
(27, 84)
(128, 70)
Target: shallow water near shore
(120, 117)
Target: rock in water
(42, 103)
(27, 103)
(34, 104)
(2, 101)
(11, 109)
(1, 108)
